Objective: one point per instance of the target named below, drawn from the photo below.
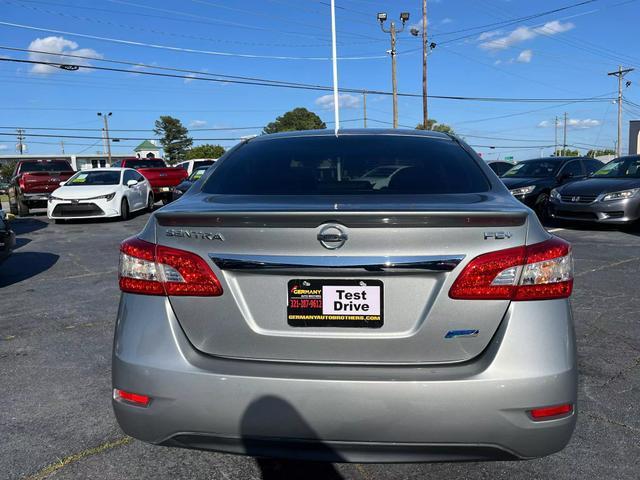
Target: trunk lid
(261, 249)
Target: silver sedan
(284, 307)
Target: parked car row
(130, 184)
(578, 188)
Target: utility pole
(564, 141)
(555, 142)
(20, 146)
(62, 146)
(425, 112)
(404, 17)
(105, 116)
(364, 104)
(620, 73)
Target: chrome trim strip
(433, 263)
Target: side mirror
(131, 183)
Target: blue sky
(562, 55)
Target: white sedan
(101, 192)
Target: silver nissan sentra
(289, 305)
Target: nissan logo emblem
(332, 236)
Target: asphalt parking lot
(58, 302)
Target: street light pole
(404, 17)
(564, 141)
(105, 116)
(555, 143)
(620, 73)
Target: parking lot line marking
(608, 265)
(54, 467)
(555, 230)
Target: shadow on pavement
(23, 265)
(26, 225)
(281, 419)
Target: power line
(129, 129)
(88, 137)
(183, 49)
(174, 16)
(103, 21)
(505, 23)
(274, 83)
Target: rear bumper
(34, 200)
(470, 411)
(616, 213)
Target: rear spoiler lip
(359, 219)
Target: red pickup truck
(33, 180)
(163, 179)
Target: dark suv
(531, 181)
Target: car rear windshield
(628, 167)
(46, 166)
(533, 169)
(329, 165)
(94, 178)
(145, 164)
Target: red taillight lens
(541, 271)
(135, 398)
(150, 269)
(547, 413)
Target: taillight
(541, 271)
(150, 269)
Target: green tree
(296, 119)
(175, 138)
(599, 153)
(435, 126)
(205, 151)
(566, 152)
(6, 170)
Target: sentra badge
(194, 234)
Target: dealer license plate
(335, 303)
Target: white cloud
(3, 146)
(577, 123)
(197, 123)
(61, 46)
(522, 34)
(487, 35)
(525, 56)
(497, 62)
(554, 27)
(345, 100)
(446, 20)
